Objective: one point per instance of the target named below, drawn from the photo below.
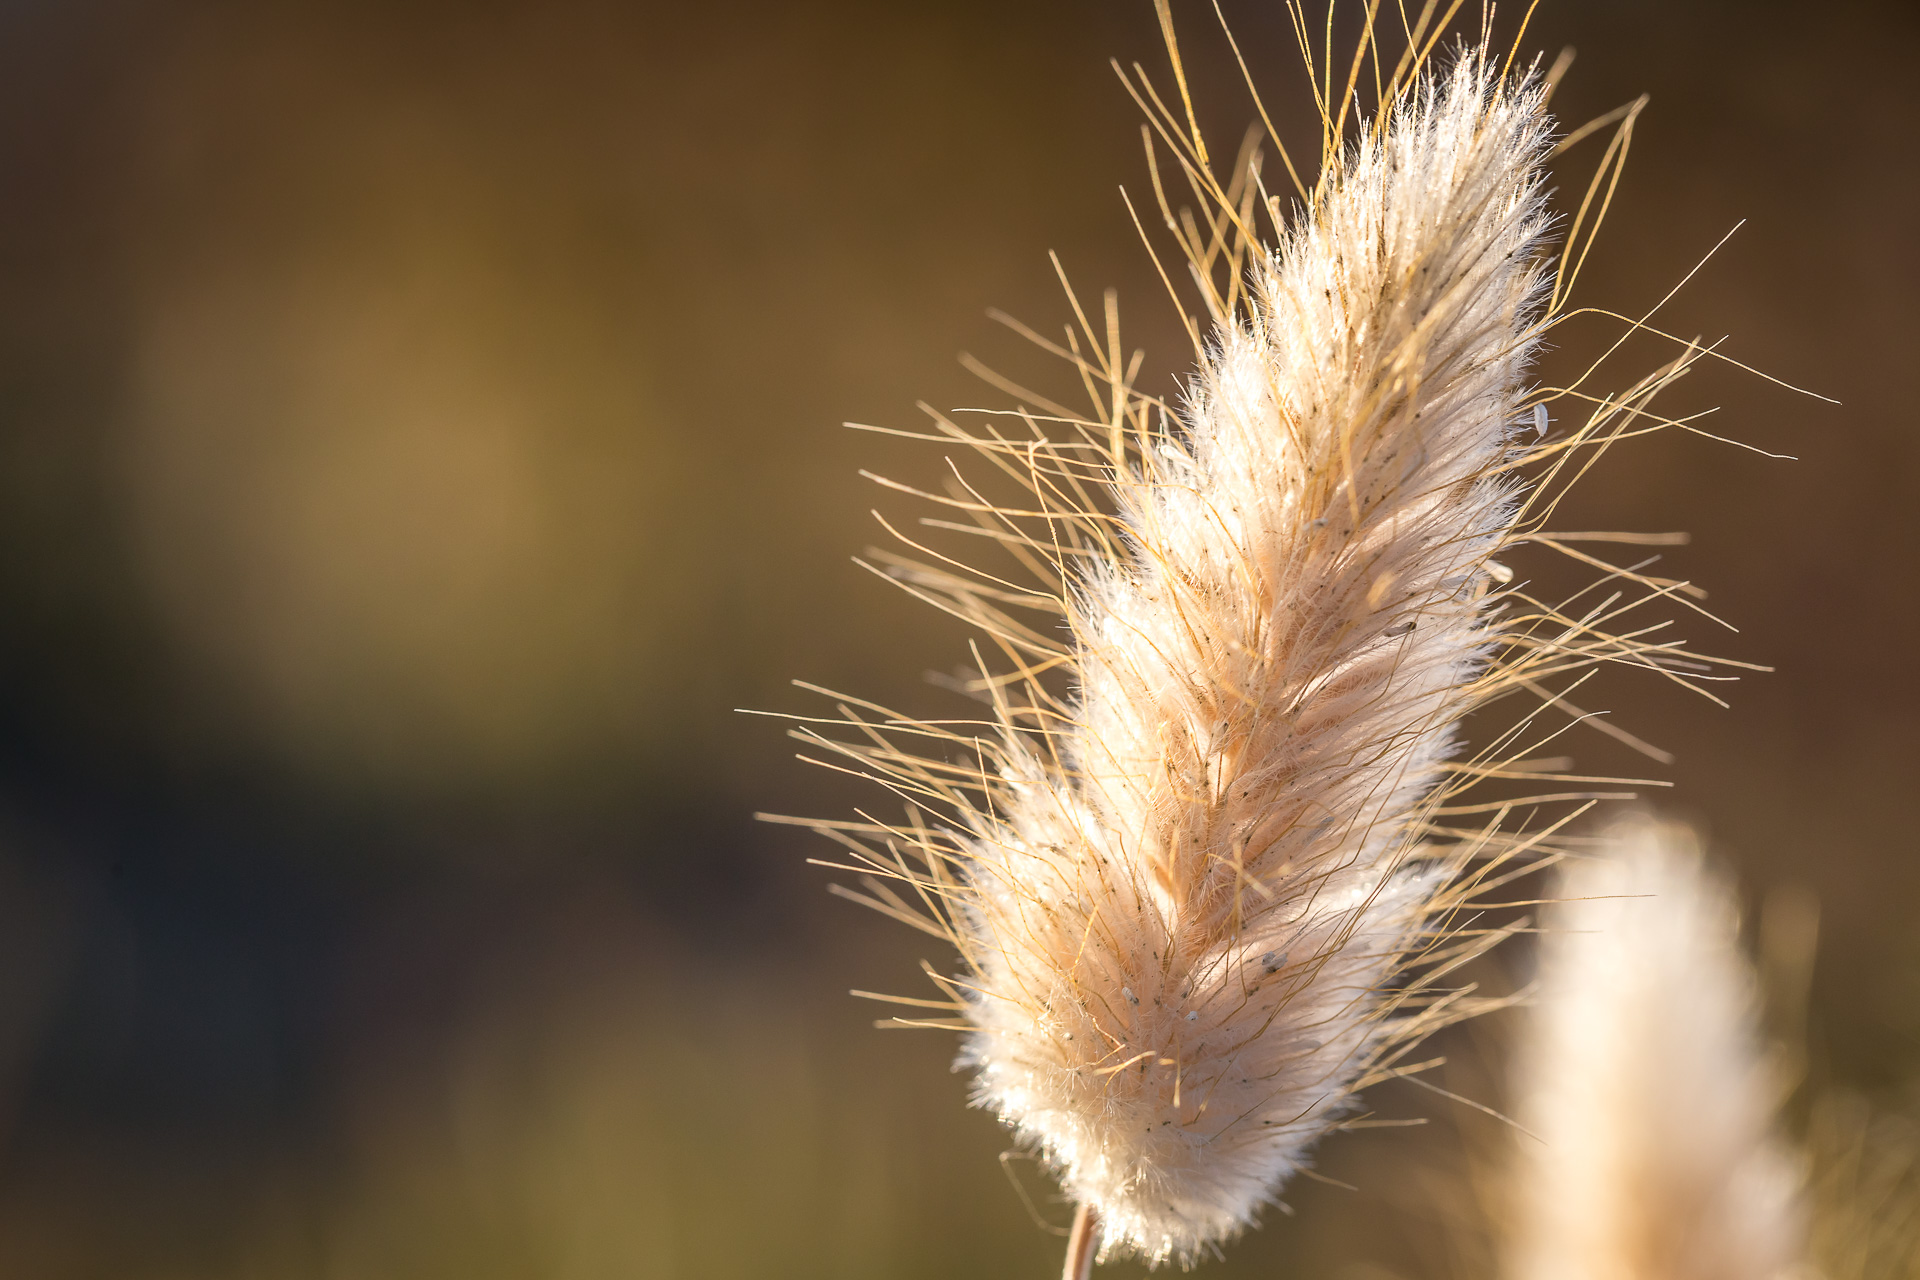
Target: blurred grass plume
(1649, 1102)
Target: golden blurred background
(417, 437)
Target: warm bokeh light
(419, 433)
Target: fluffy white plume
(1186, 927)
(1642, 1079)
(1197, 861)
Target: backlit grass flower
(1205, 861)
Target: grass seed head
(1189, 913)
(1206, 860)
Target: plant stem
(1083, 1241)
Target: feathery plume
(1188, 920)
(1197, 861)
(1642, 1082)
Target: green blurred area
(418, 436)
